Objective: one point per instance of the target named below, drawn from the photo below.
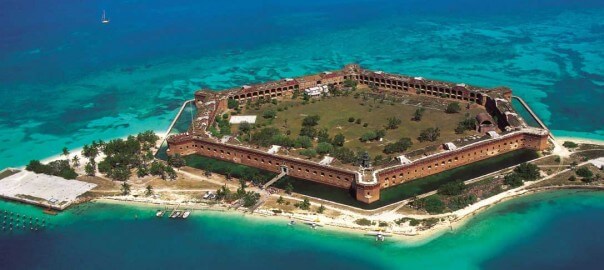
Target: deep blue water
(555, 230)
(66, 79)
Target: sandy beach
(579, 140)
(345, 222)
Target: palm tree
(149, 190)
(125, 188)
(65, 151)
(75, 161)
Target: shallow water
(66, 79)
(555, 230)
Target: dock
(47, 191)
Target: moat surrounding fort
(67, 80)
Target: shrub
(453, 108)
(309, 153)
(513, 180)
(369, 136)
(324, 148)
(393, 123)
(311, 121)
(468, 123)
(350, 119)
(232, 104)
(569, 144)
(434, 205)
(527, 171)
(400, 146)
(323, 136)
(339, 139)
(363, 222)
(584, 172)
(309, 131)
(344, 155)
(269, 114)
(452, 188)
(418, 114)
(265, 136)
(429, 134)
(460, 202)
(303, 142)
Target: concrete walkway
(275, 179)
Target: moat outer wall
(198, 141)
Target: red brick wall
(367, 193)
(453, 159)
(259, 159)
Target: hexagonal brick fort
(516, 134)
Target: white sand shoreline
(78, 151)
(580, 140)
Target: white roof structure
(598, 162)
(41, 188)
(404, 160)
(238, 119)
(225, 139)
(274, 149)
(450, 146)
(317, 90)
(326, 160)
(493, 134)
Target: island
(350, 149)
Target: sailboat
(104, 19)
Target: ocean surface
(554, 230)
(66, 79)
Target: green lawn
(335, 111)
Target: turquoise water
(554, 230)
(66, 79)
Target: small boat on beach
(186, 214)
(160, 213)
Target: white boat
(186, 214)
(159, 213)
(175, 214)
(104, 19)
